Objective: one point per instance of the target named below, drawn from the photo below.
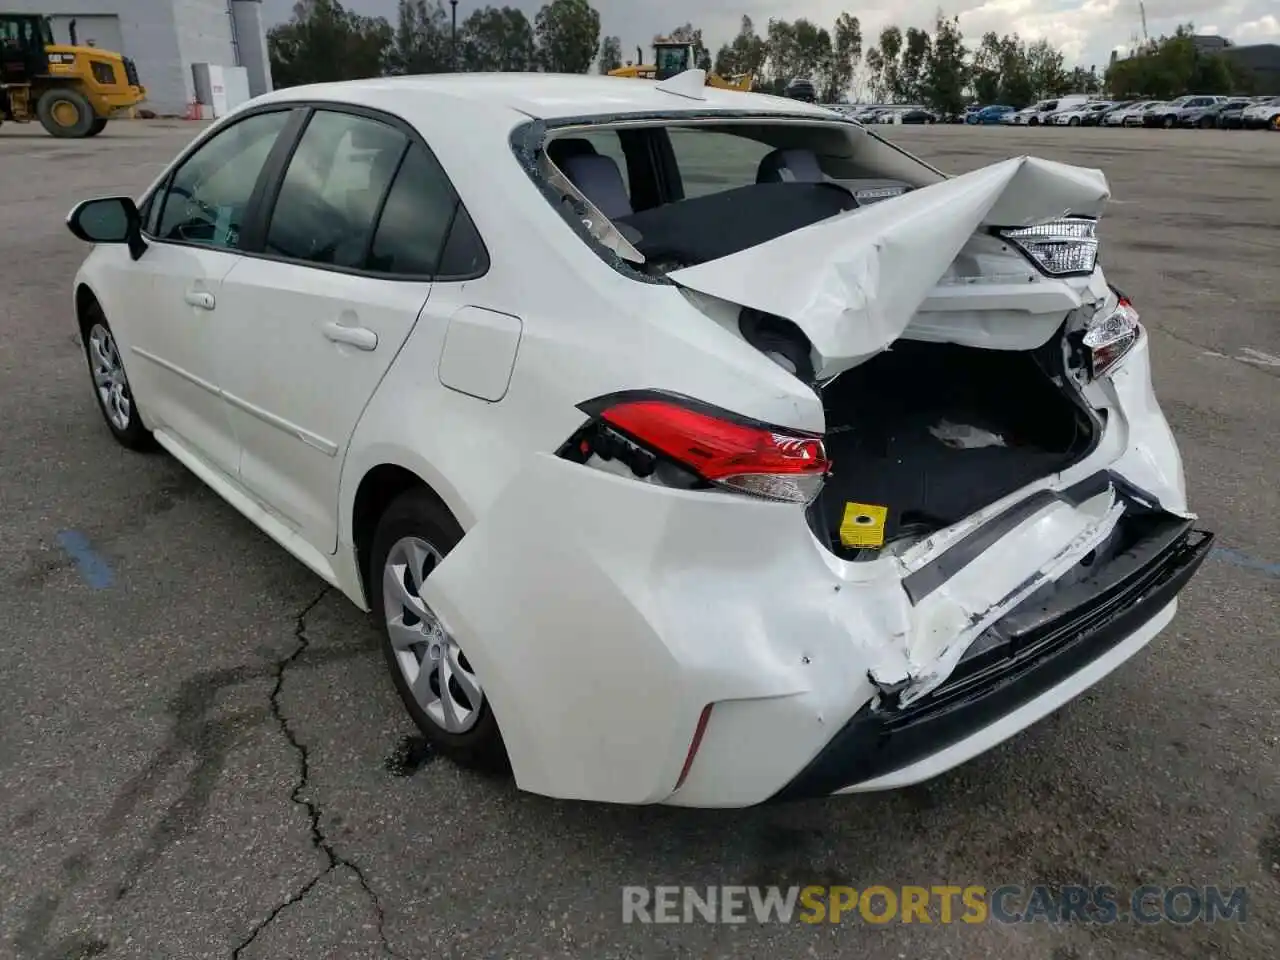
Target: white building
(166, 39)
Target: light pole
(453, 33)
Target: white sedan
(688, 446)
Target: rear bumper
(1037, 657)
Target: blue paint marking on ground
(1239, 559)
(93, 568)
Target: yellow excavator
(72, 90)
(671, 57)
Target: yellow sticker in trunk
(863, 525)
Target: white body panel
(637, 604)
(300, 352)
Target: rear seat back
(600, 181)
(789, 166)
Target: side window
(415, 219)
(331, 193)
(207, 197)
(711, 161)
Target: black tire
(1033, 122)
(99, 124)
(416, 513)
(1073, 122)
(1169, 122)
(1205, 123)
(132, 433)
(51, 99)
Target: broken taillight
(715, 446)
(1107, 340)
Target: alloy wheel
(432, 663)
(109, 378)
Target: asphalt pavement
(201, 754)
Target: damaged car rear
(689, 446)
(939, 502)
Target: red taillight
(748, 457)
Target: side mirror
(108, 220)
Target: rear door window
(416, 219)
(333, 189)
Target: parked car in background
(802, 88)
(1170, 114)
(1081, 115)
(1117, 116)
(1030, 116)
(1229, 117)
(1206, 117)
(917, 116)
(989, 115)
(1265, 114)
(1097, 118)
(1135, 117)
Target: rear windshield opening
(668, 195)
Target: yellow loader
(671, 57)
(71, 90)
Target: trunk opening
(935, 432)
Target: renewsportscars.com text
(943, 904)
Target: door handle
(362, 338)
(201, 299)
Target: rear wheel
(65, 113)
(1073, 122)
(436, 682)
(1168, 122)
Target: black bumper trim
(1036, 646)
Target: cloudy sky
(1086, 30)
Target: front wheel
(436, 682)
(111, 385)
(65, 113)
(1073, 122)
(1168, 123)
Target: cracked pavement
(207, 759)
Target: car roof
(543, 96)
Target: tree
(875, 75)
(946, 72)
(915, 56)
(497, 40)
(610, 54)
(568, 36)
(422, 42)
(747, 53)
(323, 41)
(845, 56)
(984, 74)
(1045, 65)
(890, 50)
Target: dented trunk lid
(857, 281)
